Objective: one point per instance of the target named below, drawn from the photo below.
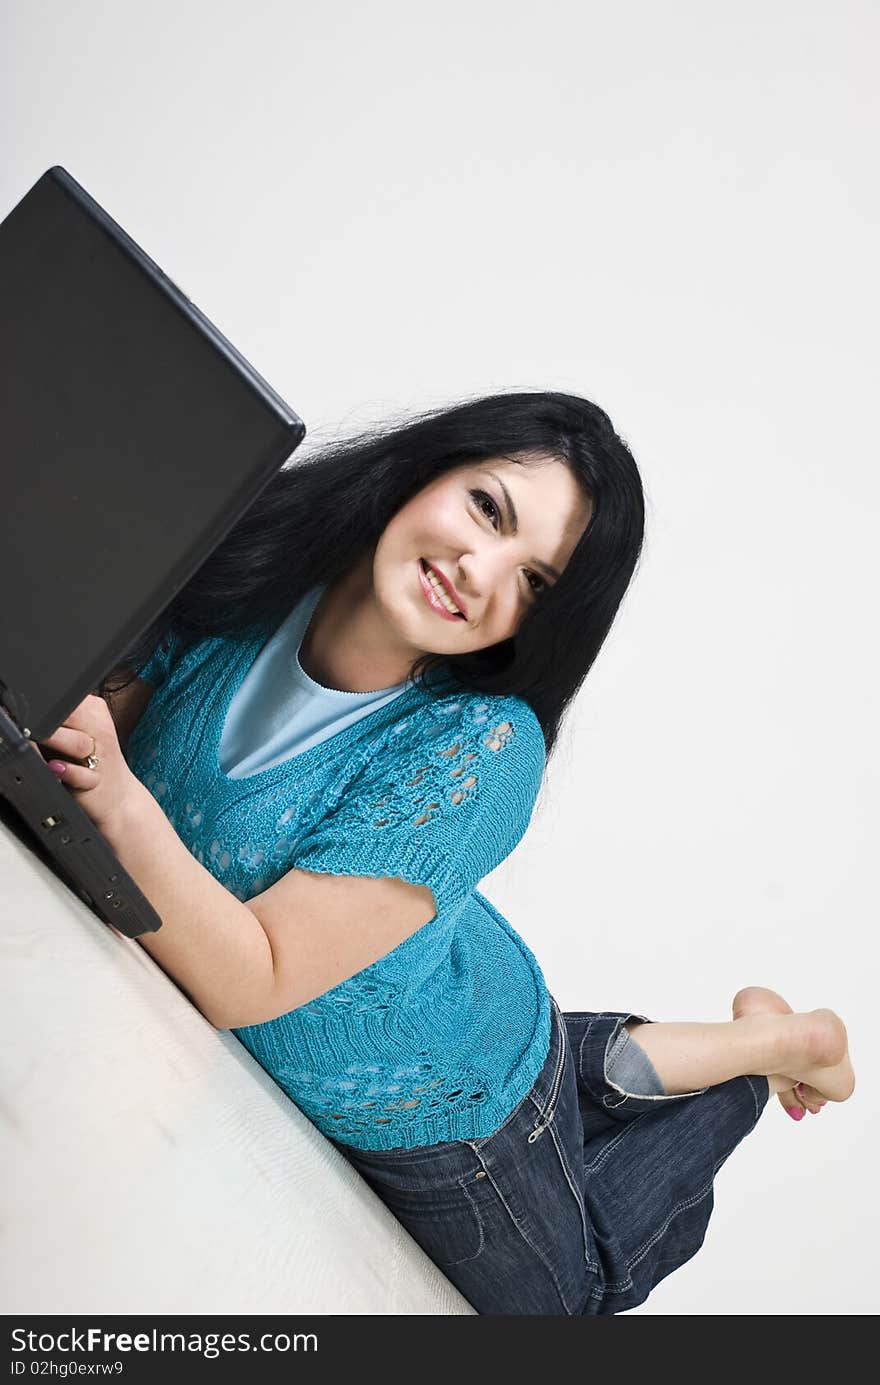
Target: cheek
(427, 526)
(507, 624)
(503, 621)
(395, 540)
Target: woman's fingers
(73, 776)
(76, 745)
(90, 730)
(64, 752)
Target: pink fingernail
(57, 766)
(795, 1112)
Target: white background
(672, 209)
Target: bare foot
(828, 1075)
(829, 1069)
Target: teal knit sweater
(441, 1038)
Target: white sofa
(150, 1165)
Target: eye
(532, 577)
(481, 499)
(487, 507)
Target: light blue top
(280, 711)
(442, 1037)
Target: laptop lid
(133, 433)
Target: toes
(800, 1099)
(792, 1104)
(812, 1100)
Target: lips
(433, 600)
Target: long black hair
(319, 515)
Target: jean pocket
(445, 1220)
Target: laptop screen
(133, 437)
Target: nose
(479, 572)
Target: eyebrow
(514, 523)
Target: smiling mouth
(438, 592)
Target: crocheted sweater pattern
(441, 1038)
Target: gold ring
(92, 761)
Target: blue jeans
(584, 1198)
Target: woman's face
(461, 564)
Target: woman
(354, 701)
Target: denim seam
(683, 1206)
(758, 1107)
(534, 1249)
(610, 1145)
(545, 1116)
(680, 1207)
(616, 1286)
(480, 1226)
(619, 1285)
(569, 1178)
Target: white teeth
(441, 592)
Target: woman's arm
(325, 920)
(241, 963)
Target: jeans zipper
(554, 1090)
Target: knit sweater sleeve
(444, 801)
(160, 663)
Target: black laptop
(132, 437)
